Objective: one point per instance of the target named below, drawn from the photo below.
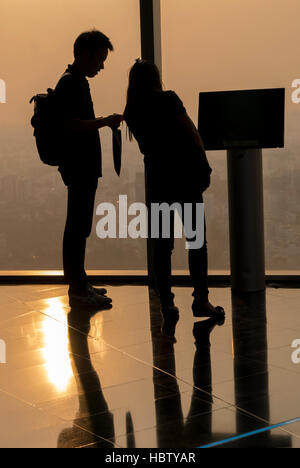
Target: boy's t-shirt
(82, 150)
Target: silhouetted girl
(177, 171)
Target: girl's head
(143, 78)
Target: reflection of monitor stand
(243, 122)
(246, 219)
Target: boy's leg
(81, 199)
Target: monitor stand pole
(246, 219)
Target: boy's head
(90, 52)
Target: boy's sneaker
(91, 300)
(99, 291)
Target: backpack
(48, 130)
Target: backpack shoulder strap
(66, 74)
(63, 79)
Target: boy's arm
(78, 125)
(66, 92)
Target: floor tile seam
(93, 434)
(176, 378)
(18, 399)
(7, 321)
(290, 432)
(166, 424)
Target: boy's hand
(114, 120)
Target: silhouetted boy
(81, 164)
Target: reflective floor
(111, 379)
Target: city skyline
(33, 196)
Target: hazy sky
(207, 45)
(213, 45)
(36, 42)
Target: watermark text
(166, 220)
(2, 352)
(296, 93)
(2, 92)
(296, 353)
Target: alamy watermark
(185, 218)
(296, 354)
(296, 92)
(2, 352)
(2, 92)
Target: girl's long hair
(144, 77)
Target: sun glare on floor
(56, 341)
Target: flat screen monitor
(242, 119)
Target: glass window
(36, 42)
(215, 45)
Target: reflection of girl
(177, 171)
